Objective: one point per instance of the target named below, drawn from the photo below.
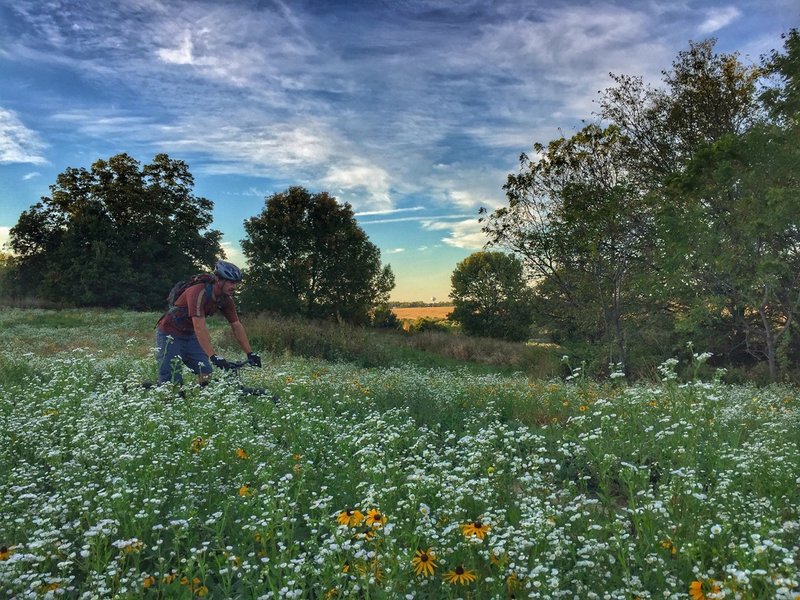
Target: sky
(413, 111)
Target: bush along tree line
(121, 234)
(674, 217)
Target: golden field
(415, 312)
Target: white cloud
(409, 219)
(395, 251)
(391, 211)
(5, 236)
(18, 144)
(30, 175)
(233, 253)
(463, 234)
(719, 18)
(361, 183)
(180, 55)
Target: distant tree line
(672, 218)
(121, 234)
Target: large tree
(705, 96)
(582, 232)
(115, 235)
(308, 256)
(490, 296)
(733, 218)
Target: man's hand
(220, 362)
(253, 359)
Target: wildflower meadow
(404, 482)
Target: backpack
(181, 286)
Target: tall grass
(371, 348)
(579, 489)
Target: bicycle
(236, 367)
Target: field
(415, 312)
(402, 482)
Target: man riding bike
(182, 332)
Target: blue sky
(413, 111)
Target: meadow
(400, 481)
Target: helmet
(229, 271)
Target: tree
(490, 296)
(115, 235)
(582, 232)
(308, 256)
(706, 96)
(733, 218)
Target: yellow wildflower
(475, 529)
(459, 576)
(351, 518)
(375, 518)
(424, 562)
(699, 589)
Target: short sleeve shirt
(196, 301)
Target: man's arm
(240, 335)
(201, 331)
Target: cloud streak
(18, 144)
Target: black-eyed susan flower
(350, 518)
(669, 545)
(513, 582)
(197, 444)
(365, 533)
(460, 576)
(698, 589)
(169, 577)
(149, 581)
(245, 491)
(5, 552)
(476, 529)
(132, 547)
(241, 454)
(376, 518)
(424, 562)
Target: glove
(253, 359)
(220, 362)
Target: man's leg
(196, 359)
(169, 349)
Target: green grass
(589, 489)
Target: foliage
(583, 232)
(383, 317)
(425, 323)
(308, 256)
(678, 219)
(490, 296)
(705, 97)
(576, 489)
(115, 235)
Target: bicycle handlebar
(236, 365)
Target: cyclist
(182, 332)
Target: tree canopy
(118, 234)
(673, 218)
(308, 256)
(490, 296)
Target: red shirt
(195, 302)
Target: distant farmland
(415, 312)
